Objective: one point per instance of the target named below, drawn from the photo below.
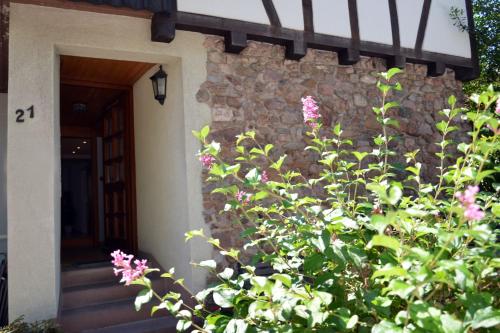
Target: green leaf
(386, 327)
(452, 100)
(268, 148)
(393, 71)
(389, 271)
(352, 322)
(486, 317)
(384, 241)
(336, 130)
(226, 274)
(143, 297)
(451, 324)
(236, 326)
(224, 298)
(496, 209)
(359, 155)
(183, 325)
(194, 233)
(277, 165)
(204, 132)
(284, 278)
(211, 264)
(260, 195)
(395, 194)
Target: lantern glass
(159, 81)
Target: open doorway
(98, 207)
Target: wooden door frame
(131, 170)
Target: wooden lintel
(295, 49)
(436, 69)
(162, 28)
(235, 41)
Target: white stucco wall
(3, 179)
(161, 173)
(38, 35)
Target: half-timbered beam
(397, 60)
(274, 19)
(307, 12)
(422, 27)
(351, 54)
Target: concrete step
(88, 276)
(105, 315)
(104, 292)
(152, 325)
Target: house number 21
(20, 114)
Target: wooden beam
(235, 42)
(307, 11)
(162, 28)
(397, 60)
(272, 14)
(351, 55)
(436, 69)
(422, 27)
(295, 49)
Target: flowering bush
(359, 248)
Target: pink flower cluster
(243, 197)
(467, 199)
(497, 110)
(310, 109)
(207, 160)
(123, 265)
(264, 177)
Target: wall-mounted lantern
(159, 80)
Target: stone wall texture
(260, 90)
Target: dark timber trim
(237, 32)
(422, 27)
(397, 60)
(351, 54)
(271, 13)
(307, 10)
(235, 42)
(162, 28)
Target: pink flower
(467, 200)
(243, 197)
(310, 110)
(264, 177)
(123, 266)
(497, 110)
(207, 161)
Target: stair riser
(84, 297)
(88, 276)
(81, 320)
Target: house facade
(90, 160)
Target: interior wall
(3, 158)
(161, 171)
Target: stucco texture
(38, 35)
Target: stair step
(104, 315)
(88, 276)
(152, 325)
(106, 292)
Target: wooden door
(118, 176)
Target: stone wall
(260, 90)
